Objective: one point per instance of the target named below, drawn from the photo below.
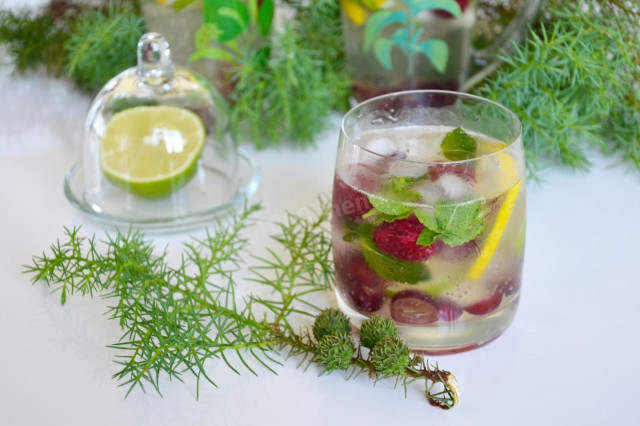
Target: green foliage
(34, 39)
(320, 30)
(282, 84)
(233, 30)
(330, 321)
(374, 329)
(174, 320)
(67, 38)
(101, 46)
(573, 83)
(282, 99)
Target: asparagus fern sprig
(89, 43)
(574, 83)
(172, 319)
(176, 319)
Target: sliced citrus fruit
(491, 243)
(152, 151)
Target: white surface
(570, 357)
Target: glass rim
(362, 104)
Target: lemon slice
(491, 243)
(354, 11)
(152, 151)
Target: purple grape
(510, 285)
(358, 283)
(448, 311)
(413, 307)
(485, 306)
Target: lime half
(152, 151)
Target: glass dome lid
(156, 152)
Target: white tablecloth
(570, 357)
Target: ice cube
(408, 169)
(430, 191)
(365, 177)
(383, 146)
(455, 187)
(427, 148)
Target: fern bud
(374, 329)
(330, 321)
(336, 351)
(390, 356)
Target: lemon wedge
(495, 234)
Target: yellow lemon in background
(358, 10)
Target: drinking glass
(428, 219)
(394, 45)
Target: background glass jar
(429, 217)
(394, 45)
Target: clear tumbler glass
(429, 217)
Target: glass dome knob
(154, 59)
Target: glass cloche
(156, 150)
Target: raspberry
(347, 202)
(398, 239)
(465, 171)
(446, 15)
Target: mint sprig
(458, 145)
(453, 224)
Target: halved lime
(152, 151)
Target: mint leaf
(393, 269)
(400, 187)
(454, 224)
(389, 207)
(459, 223)
(354, 230)
(381, 217)
(427, 220)
(426, 237)
(458, 145)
